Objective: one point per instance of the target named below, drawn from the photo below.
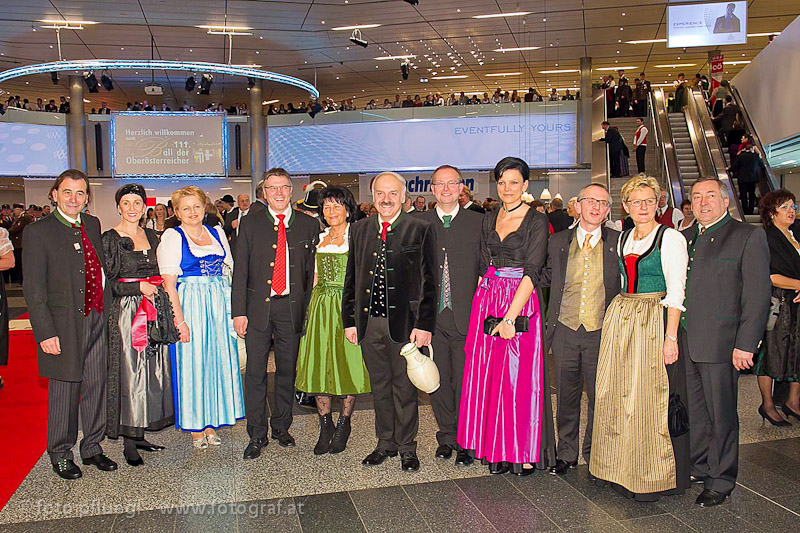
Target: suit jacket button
(266, 300)
(272, 264)
(274, 246)
(80, 291)
(370, 272)
(269, 282)
(275, 228)
(374, 254)
(367, 291)
(366, 310)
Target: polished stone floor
(182, 489)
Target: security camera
(356, 38)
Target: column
(76, 124)
(585, 113)
(258, 137)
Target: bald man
(390, 298)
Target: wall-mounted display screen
(32, 150)
(169, 144)
(547, 140)
(706, 24)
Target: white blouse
(674, 261)
(170, 250)
(5, 242)
(334, 248)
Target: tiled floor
(181, 489)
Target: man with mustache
(390, 297)
(272, 279)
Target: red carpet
(23, 414)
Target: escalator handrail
(665, 145)
(773, 183)
(708, 148)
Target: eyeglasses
(276, 188)
(793, 207)
(446, 184)
(594, 202)
(647, 201)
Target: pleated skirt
(207, 382)
(631, 444)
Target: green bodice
(331, 268)
(643, 273)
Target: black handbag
(521, 324)
(677, 415)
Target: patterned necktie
(384, 228)
(587, 245)
(446, 299)
(446, 220)
(702, 230)
(279, 272)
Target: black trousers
(67, 400)
(713, 421)
(575, 354)
(640, 151)
(257, 343)
(393, 394)
(747, 194)
(448, 349)
(613, 163)
(15, 275)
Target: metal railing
(665, 146)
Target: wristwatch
(508, 321)
(670, 337)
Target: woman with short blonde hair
(195, 262)
(638, 367)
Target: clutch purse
(774, 311)
(677, 415)
(520, 324)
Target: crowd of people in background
(16, 102)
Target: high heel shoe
(789, 413)
(201, 443)
(765, 416)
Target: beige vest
(584, 299)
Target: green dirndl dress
(328, 364)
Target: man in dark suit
(64, 288)
(728, 23)
(465, 201)
(728, 293)
(272, 279)
(458, 239)
(725, 120)
(615, 147)
(390, 298)
(233, 221)
(583, 273)
(22, 219)
(748, 168)
(558, 218)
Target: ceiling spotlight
(356, 38)
(54, 77)
(107, 82)
(205, 83)
(250, 82)
(190, 83)
(91, 82)
(404, 69)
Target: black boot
(325, 435)
(339, 442)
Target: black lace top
(525, 248)
(123, 262)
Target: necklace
(513, 208)
(199, 237)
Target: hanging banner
(716, 66)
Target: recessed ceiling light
(646, 41)
(499, 15)
(764, 34)
(676, 65)
(615, 68)
(735, 62)
(268, 102)
(460, 76)
(500, 74)
(355, 27)
(384, 58)
(517, 49)
(559, 71)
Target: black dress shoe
(378, 457)
(134, 462)
(148, 447)
(444, 451)
(591, 477)
(710, 498)
(561, 467)
(525, 472)
(101, 462)
(696, 480)
(409, 461)
(283, 438)
(463, 458)
(253, 450)
(67, 469)
(498, 468)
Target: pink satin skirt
(503, 391)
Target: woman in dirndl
(195, 262)
(638, 366)
(505, 417)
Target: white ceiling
(291, 38)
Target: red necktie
(279, 272)
(385, 226)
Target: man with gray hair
(390, 298)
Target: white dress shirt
(581, 234)
(441, 213)
(674, 260)
(239, 219)
(677, 215)
(170, 250)
(274, 214)
(79, 222)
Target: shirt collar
(391, 222)
(713, 225)
(466, 205)
(68, 219)
(288, 212)
(441, 213)
(581, 234)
